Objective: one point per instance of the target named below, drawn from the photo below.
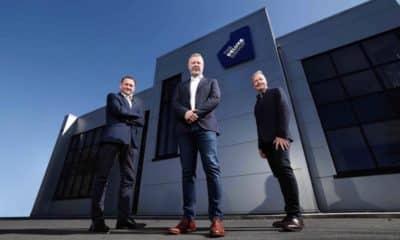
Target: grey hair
(259, 72)
(196, 55)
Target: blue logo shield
(238, 49)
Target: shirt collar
(127, 96)
(261, 94)
(198, 78)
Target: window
(376, 107)
(384, 138)
(77, 174)
(383, 49)
(167, 145)
(349, 59)
(350, 150)
(390, 75)
(337, 115)
(319, 68)
(356, 89)
(328, 91)
(361, 83)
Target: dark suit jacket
(272, 116)
(122, 121)
(207, 99)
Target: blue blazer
(122, 122)
(272, 116)
(208, 96)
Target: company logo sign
(238, 49)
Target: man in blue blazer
(124, 115)
(194, 102)
(272, 118)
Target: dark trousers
(280, 165)
(205, 142)
(107, 155)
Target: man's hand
(281, 142)
(191, 116)
(262, 154)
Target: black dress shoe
(292, 224)
(277, 224)
(129, 224)
(99, 227)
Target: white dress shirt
(128, 98)
(194, 83)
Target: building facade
(342, 75)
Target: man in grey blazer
(194, 103)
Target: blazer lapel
(124, 100)
(187, 91)
(199, 87)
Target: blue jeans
(205, 142)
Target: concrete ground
(256, 228)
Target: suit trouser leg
(188, 157)
(104, 164)
(127, 178)
(280, 165)
(207, 142)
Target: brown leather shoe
(184, 226)
(217, 229)
(293, 224)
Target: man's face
(259, 82)
(127, 86)
(196, 66)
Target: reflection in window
(383, 49)
(390, 75)
(350, 150)
(384, 139)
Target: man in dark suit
(272, 119)
(124, 115)
(194, 103)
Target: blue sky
(59, 57)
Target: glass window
(384, 48)
(349, 59)
(68, 186)
(76, 186)
(98, 134)
(362, 120)
(361, 83)
(89, 138)
(376, 107)
(350, 150)
(384, 139)
(79, 165)
(81, 141)
(390, 74)
(394, 98)
(336, 115)
(328, 91)
(167, 144)
(85, 187)
(319, 68)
